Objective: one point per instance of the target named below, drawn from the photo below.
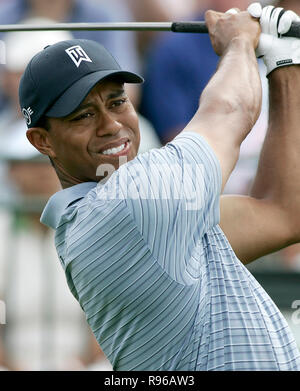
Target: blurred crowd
(45, 327)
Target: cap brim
(75, 94)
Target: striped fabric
(156, 277)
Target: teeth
(113, 151)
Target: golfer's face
(103, 129)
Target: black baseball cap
(58, 78)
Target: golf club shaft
(177, 27)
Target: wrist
(242, 43)
(240, 46)
(284, 98)
(285, 74)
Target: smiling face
(103, 128)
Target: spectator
(157, 11)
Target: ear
(41, 140)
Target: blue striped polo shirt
(158, 281)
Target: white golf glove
(276, 51)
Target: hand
(276, 51)
(223, 28)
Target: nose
(108, 125)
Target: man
(161, 287)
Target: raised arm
(230, 104)
(268, 220)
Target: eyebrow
(116, 94)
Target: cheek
(133, 123)
(71, 157)
(69, 147)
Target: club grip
(294, 31)
(189, 27)
(200, 27)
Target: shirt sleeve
(173, 196)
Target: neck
(66, 180)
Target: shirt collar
(61, 200)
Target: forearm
(236, 90)
(278, 175)
(230, 104)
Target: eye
(119, 102)
(83, 116)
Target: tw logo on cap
(77, 55)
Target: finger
(255, 10)
(286, 21)
(265, 19)
(211, 18)
(233, 11)
(275, 17)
